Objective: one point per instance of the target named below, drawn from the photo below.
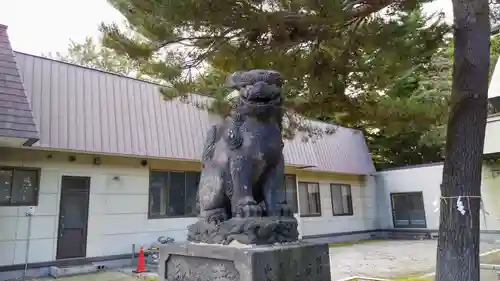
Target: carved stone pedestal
(205, 262)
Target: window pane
(309, 199)
(5, 183)
(176, 194)
(336, 199)
(408, 210)
(341, 199)
(314, 199)
(346, 199)
(24, 187)
(192, 181)
(303, 199)
(415, 201)
(158, 194)
(416, 212)
(291, 192)
(315, 203)
(400, 210)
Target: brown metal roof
(83, 109)
(16, 117)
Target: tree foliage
(426, 143)
(494, 13)
(90, 53)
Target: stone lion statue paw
(248, 208)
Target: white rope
(460, 204)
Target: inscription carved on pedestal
(182, 268)
(295, 270)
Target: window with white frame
(173, 194)
(19, 186)
(341, 199)
(309, 199)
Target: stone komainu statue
(241, 195)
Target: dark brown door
(73, 217)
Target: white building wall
(427, 179)
(491, 143)
(369, 202)
(494, 89)
(490, 193)
(363, 200)
(117, 213)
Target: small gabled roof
(16, 116)
(83, 109)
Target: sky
(42, 26)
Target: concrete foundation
(56, 271)
(203, 262)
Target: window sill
(19, 205)
(343, 215)
(310, 216)
(414, 226)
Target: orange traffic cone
(141, 263)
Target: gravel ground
(386, 259)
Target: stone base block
(299, 261)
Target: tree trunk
(458, 244)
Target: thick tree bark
(458, 244)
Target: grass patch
(342, 244)
(149, 278)
(350, 243)
(413, 279)
(493, 258)
(401, 279)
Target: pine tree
(338, 57)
